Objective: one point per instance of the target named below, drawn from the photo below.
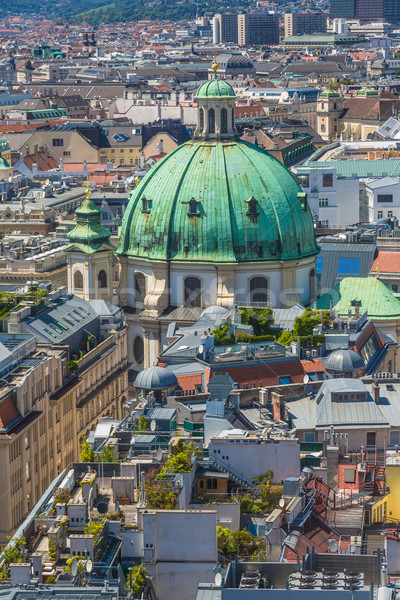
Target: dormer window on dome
(146, 205)
(252, 207)
(194, 208)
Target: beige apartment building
(45, 409)
(302, 23)
(258, 29)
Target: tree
(141, 424)
(12, 553)
(87, 454)
(159, 493)
(73, 366)
(240, 543)
(107, 455)
(180, 459)
(61, 496)
(261, 319)
(285, 338)
(139, 578)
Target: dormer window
(252, 207)
(193, 208)
(146, 205)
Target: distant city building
(301, 23)
(225, 28)
(366, 10)
(258, 29)
(342, 8)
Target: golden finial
(137, 180)
(215, 65)
(377, 270)
(87, 191)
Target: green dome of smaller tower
(367, 92)
(330, 93)
(89, 234)
(215, 88)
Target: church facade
(218, 221)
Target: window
(371, 438)
(385, 198)
(395, 438)
(224, 120)
(323, 202)
(211, 120)
(138, 350)
(319, 263)
(348, 266)
(201, 119)
(327, 180)
(66, 153)
(192, 292)
(390, 213)
(78, 280)
(284, 380)
(139, 287)
(303, 180)
(309, 437)
(258, 291)
(57, 142)
(395, 287)
(380, 214)
(102, 279)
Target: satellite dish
(153, 425)
(102, 508)
(333, 545)
(306, 378)
(281, 503)
(89, 566)
(116, 507)
(74, 568)
(201, 349)
(218, 579)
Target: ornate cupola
(215, 109)
(89, 254)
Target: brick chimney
(278, 406)
(376, 392)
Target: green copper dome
(215, 88)
(367, 92)
(331, 93)
(89, 234)
(218, 201)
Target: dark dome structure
(155, 378)
(344, 361)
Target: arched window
(138, 350)
(102, 279)
(192, 292)
(313, 285)
(224, 120)
(78, 280)
(211, 120)
(139, 286)
(258, 289)
(201, 119)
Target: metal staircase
(238, 477)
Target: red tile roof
(45, 163)
(388, 262)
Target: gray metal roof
(155, 378)
(332, 252)
(284, 317)
(344, 361)
(360, 411)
